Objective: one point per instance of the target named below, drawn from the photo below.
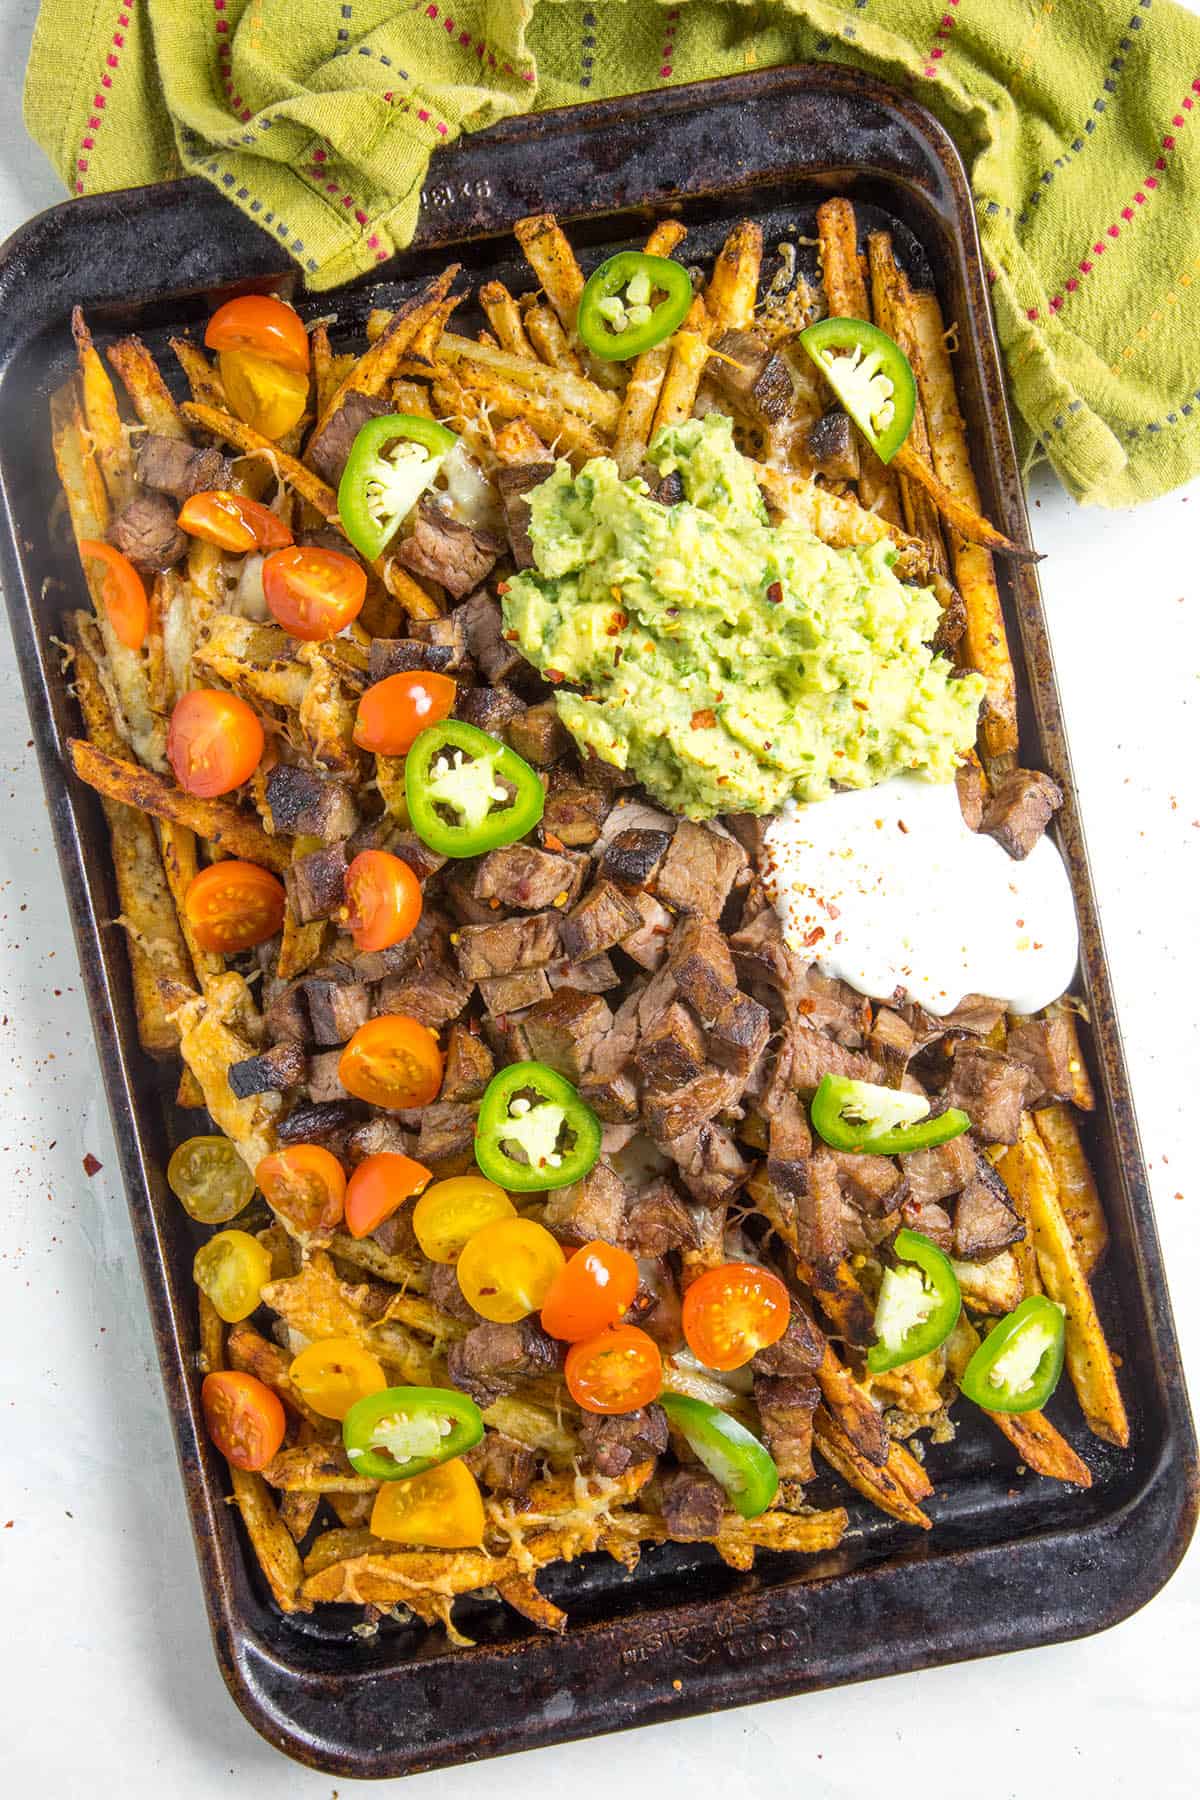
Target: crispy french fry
(254, 1354)
(1078, 1194)
(994, 1286)
(876, 1482)
(203, 379)
(272, 1542)
(109, 441)
(838, 518)
(326, 715)
(638, 406)
(189, 1095)
(737, 1539)
(851, 1410)
(212, 1336)
(371, 372)
(543, 1429)
(234, 831)
(517, 442)
(407, 1577)
(689, 352)
(733, 285)
(573, 436)
(504, 316)
(151, 397)
(177, 847)
(420, 1314)
(554, 263)
(252, 443)
(297, 1512)
(1089, 1361)
(846, 297)
(968, 523)
(422, 352)
(903, 1465)
(316, 1469)
(521, 1593)
(574, 393)
(300, 945)
(411, 397)
(920, 512)
(550, 340)
(324, 379)
(210, 1045)
(1041, 1447)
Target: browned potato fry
(966, 521)
(109, 441)
(544, 1429)
(554, 263)
(879, 1484)
(1078, 1194)
(689, 352)
(212, 1336)
(411, 397)
(572, 392)
(518, 442)
(324, 381)
(297, 1512)
(920, 513)
(203, 378)
(851, 1410)
(372, 371)
(521, 1593)
(573, 436)
(846, 297)
(236, 832)
(1041, 1447)
(638, 406)
(421, 1315)
(550, 340)
(210, 1044)
(737, 1539)
(994, 1286)
(838, 518)
(300, 946)
(277, 1555)
(504, 316)
(665, 238)
(252, 443)
(151, 397)
(908, 1472)
(408, 1577)
(733, 285)
(177, 846)
(189, 1093)
(248, 1350)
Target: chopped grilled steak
(316, 883)
(668, 491)
(539, 735)
(470, 1065)
(490, 709)
(698, 870)
(522, 875)
(273, 1071)
(396, 1235)
(813, 1055)
(891, 1042)
(504, 1465)
(599, 772)
(819, 1210)
(613, 1443)
(693, 1503)
(835, 1008)
(937, 1173)
(492, 1359)
(710, 1165)
(767, 968)
(1020, 810)
(833, 446)
(975, 1013)
(528, 943)
(446, 1294)
(673, 1113)
(323, 1082)
(755, 376)
(380, 1135)
(872, 1183)
(738, 1035)
(505, 1036)
(788, 1132)
(336, 1009)
(647, 946)
(596, 976)
(400, 656)
(613, 1098)
(458, 896)
(371, 965)
(145, 531)
(495, 655)
(574, 814)
(180, 469)
(285, 1014)
(328, 450)
(991, 1089)
(671, 1051)
(446, 1141)
(591, 1208)
(797, 1354)
(657, 1221)
(431, 992)
(327, 1122)
(952, 620)
(601, 919)
(700, 960)
(931, 1220)
(314, 805)
(633, 858)
(972, 786)
(985, 1219)
(785, 1408)
(444, 550)
(657, 1306)
(515, 992)
(565, 1029)
(514, 482)
(1046, 1047)
(423, 861)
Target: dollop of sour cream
(888, 889)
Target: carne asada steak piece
(564, 1031)
(647, 946)
(931, 1220)
(539, 735)
(446, 1294)
(180, 469)
(495, 655)
(671, 1113)
(971, 783)
(311, 805)
(336, 1009)
(613, 1098)
(596, 976)
(754, 375)
(493, 1359)
(937, 1173)
(613, 1443)
(699, 958)
(657, 1222)
(819, 1208)
(698, 870)
(446, 1141)
(380, 1135)
(423, 861)
(738, 1035)
(693, 1503)
(785, 1408)
(813, 1056)
(591, 1208)
(502, 1464)
(797, 1354)
(891, 1041)
(991, 1088)
(671, 1051)
(146, 532)
(515, 992)
(455, 555)
(767, 968)
(833, 447)
(574, 814)
(835, 1008)
(710, 1165)
(601, 919)
(401, 656)
(323, 1082)
(431, 992)
(522, 875)
(285, 1013)
(527, 943)
(632, 858)
(985, 1219)
(491, 709)
(324, 1122)
(514, 481)
(470, 1065)
(1046, 1047)
(272, 1071)
(1020, 810)
(871, 1183)
(316, 883)
(328, 451)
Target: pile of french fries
(523, 386)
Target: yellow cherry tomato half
(442, 1509)
(335, 1373)
(232, 1269)
(209, 1178)
(507, 1269)
(268, 396)
(449, 1214)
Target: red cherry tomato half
(394, 712)
(383, 900)
(214, 742)
(617, 1371)
(733, 1311)
(245, 1419)
(123, 593)
(263, 324)
(233, 522)
(314, 593)
(234, 905)
(595, 1289)
(379, 1187)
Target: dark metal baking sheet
(1013, 1560)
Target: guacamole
(728, 663)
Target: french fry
(316, 1469)
(252, 443)
(409, 1273)
(994, 1286)
(550, 340)
(638, 406)
(851, 1410)
(109, 441)
(875, 1482)
(271, 1540)
(212, 1336)
(903, 1465)
(326, 715)
(300, 945)
(1078, 1194)
(189, 1095)
(152, 399)
(297, 1512)
(517, 442)
(222, 824)
(411, 397)
(574, 436)
(521, 1593)
(203, 379)
(554, 263)
(408, 1577)
(1089, 1361)
(210, 1045)
(736, 1539)
(1040, 1445)
(838, 519)
(324, 379)
(372, 371)
(573, 393)
(920, 513)
(421, 1315)
(504, 316)
(689, 352)
(177, 847)
(255, 1355)
(422, 352)
(846, 297)
(733, 285)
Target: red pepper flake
(813, 937)
(510, 637)
(861, 705)
(900, 822)
(502, 587)
(92, 1164)
(554, 675)
(704, 720)
(775, 593)
(552, 842)
(835, 912)
(617, 624)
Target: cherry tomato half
(394, 712)
(306, 1184)
(507, 1268)
(268, 396)
(334, 1374)
(383, 900)
(209, 1179)
(442, 1509)
(594, 1290)
(733, 1311)
(123, 593)
(234, 905)
(314, 593)
(392, 1061)
(448, 1214)
(214, 742)
(245, 1419)
(233, 522)
(232, 1268)
(261, 323)
(617, 1371)
(378, 1187)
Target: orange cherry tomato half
(214, 742)
(314, 593)
(263, 324)
(379, 1187)
(233, 522)
(383, 900)
(733, 1311)
(233, 906)
(594, 1290)
(394, 712)
(306, 1184)
(616, 1371)
(123, 593)
(245, 1419)
(392, 1061)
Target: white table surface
(106, 1671)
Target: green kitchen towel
(1079, 121)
